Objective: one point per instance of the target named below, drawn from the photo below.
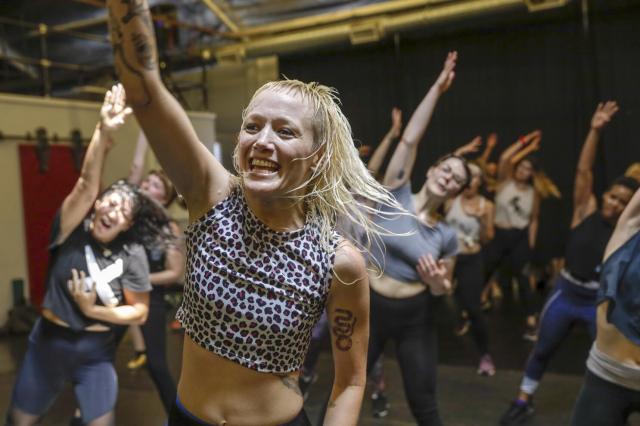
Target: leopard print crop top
(252, 295)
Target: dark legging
(469, 275)
(409, 324)
(155, 339)
(511, 246)
(602, 403)
(179, 416)
(566, 307)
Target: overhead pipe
(324, 35)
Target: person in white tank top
(471, 215)
(517, 207)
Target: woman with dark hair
(573, 300)
(517, 209)
(471, 215)
(98, 278)
(417, 254)
(166, 266)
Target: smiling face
(445, 179)
(153, 187)
(614, 201)
(275, 149)
(112, 215)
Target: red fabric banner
(42, 195)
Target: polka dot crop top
(252, 295)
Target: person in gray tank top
(471, 216)
(416, 255)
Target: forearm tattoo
(344, 323)
(142, 43)
(292, 384)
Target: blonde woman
(263, 259)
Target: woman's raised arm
(401, 163)
(197, 175)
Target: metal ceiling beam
(395, 6)
(221, 14)
(385, 23)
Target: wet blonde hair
(340, 186)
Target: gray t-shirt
(124, 266)
(398, 255)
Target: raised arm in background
(79, 202)
(584, 202)
(163, 120)
(404, 157)
(505, 166)
(136, 172)
(381, 150)
(470, 147)
(531, 147)
(492, 141)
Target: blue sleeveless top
(620, 285)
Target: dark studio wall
(515, 73)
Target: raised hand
(470, 147)
(603, 114)
(84, 299)
(434, 274)
(445, 79)
(114, 111)
(396, 122)
(492, 140)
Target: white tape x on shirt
(102, 277)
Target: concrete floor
(465, 399)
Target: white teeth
(264, 163)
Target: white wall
(22, 114)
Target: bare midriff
(49, 315)
(222, 392)
(613, 343)
(393, 288)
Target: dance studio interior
(320, 212)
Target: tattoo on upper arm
(291, 383)
(401, 174)
(344, 323)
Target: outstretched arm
(404, 156)
(470, 147)
(163, 120)
(492, 141)
(137, 165)
(505, 166)
(348, 309)
(81, 198)
(381, 151)
(583, 199)
(532, 147)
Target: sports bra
(251, 294)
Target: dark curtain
(516, 73)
